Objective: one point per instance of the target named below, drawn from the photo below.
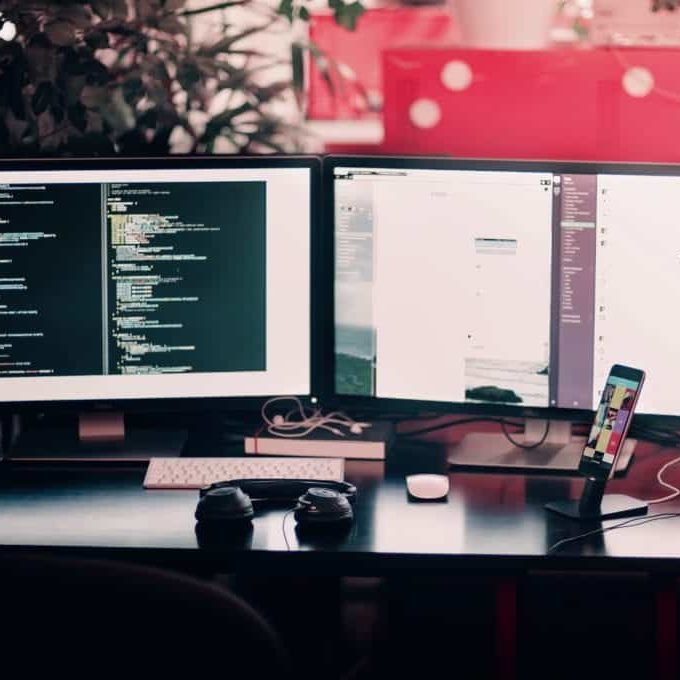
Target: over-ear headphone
(317, 502)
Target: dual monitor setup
(491, 288)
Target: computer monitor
(504, 288)
(133, 283)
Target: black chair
(80, 618)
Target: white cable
(676, 491)
(298, 422)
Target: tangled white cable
(675, 491)
(299, 421)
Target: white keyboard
(195, 473)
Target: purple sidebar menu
(576, 285)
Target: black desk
(492, 523)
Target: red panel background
(562, 103)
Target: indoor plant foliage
(125, 76)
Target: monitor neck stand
(101, 436)
(101, 428)
(104, 435)
(559, 452)
(595, 505)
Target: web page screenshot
(460, 298)
(638, 285)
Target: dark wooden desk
(491, 523)
(494, 521)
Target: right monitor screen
(517, 286)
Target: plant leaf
(286, 9)
(97, 40)
(133, 87)
(102, 8)
(57, 112)
(93, 97)
(173, 5)
(117, 113)
(212, 8)
(42, 97)
(224, 44)
(298, 68)
(120, 8)
(96, 73)
(188, 74)
(61, 33)
(223, 120)
(347, 15)
(322, 65)
(78, 15)
(172, 24)
(77, 116)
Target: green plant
(127, 76)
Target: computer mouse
(427, 487)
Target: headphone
(317, 502)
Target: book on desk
(371, 444)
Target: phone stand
(595, 505)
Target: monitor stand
(101, 436)
(594, 504)
(560, 452)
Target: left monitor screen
(154, 283)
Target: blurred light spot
(425, 113)
(456, 76)
(638, 81)
(8, 31)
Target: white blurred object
(425, 113)
(632, 22)
(505, 24)
(456, 75)
(8, 31)
(638, 81)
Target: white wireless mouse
(427, 487)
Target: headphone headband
(282, 490)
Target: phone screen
(612, 419)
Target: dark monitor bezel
(189, 162)
(405, 407)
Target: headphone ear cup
(321, 507)
(224, 504)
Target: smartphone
(612, 420)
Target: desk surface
(103, 510)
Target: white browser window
(458, 255)
(637, 286)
